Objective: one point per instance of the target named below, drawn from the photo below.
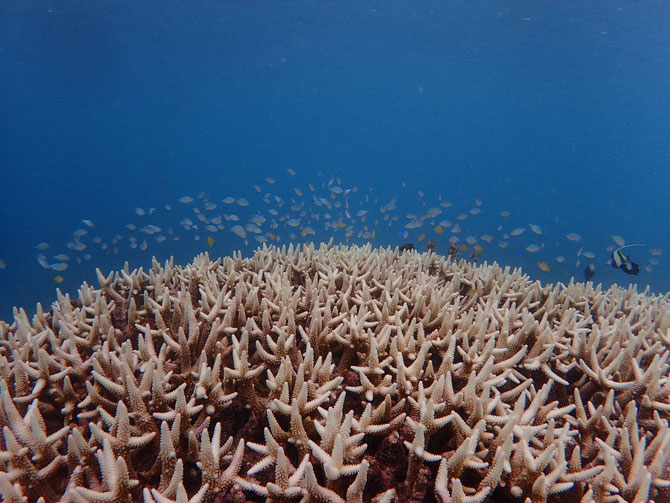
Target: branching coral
(336, 375)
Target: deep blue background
(557, 111)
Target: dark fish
(453, 251)
(631, 268)
(430, 245)
(589, 272)
(620, 261)
(406, 247)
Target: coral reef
(336, 374)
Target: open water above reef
(555, 112)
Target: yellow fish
(422, 237)
(58, 279)
(210, 241)
(439, 229)
(618, 240)
(479, 248)
(463, 247)
(374, 233)
(543, 266)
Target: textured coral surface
(336, 374)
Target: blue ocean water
(557, 112)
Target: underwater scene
(532, 134)
(335, 251)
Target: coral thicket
(336, 374)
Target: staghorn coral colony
(336, 374)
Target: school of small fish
(319, 210)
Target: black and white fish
(620, 261)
